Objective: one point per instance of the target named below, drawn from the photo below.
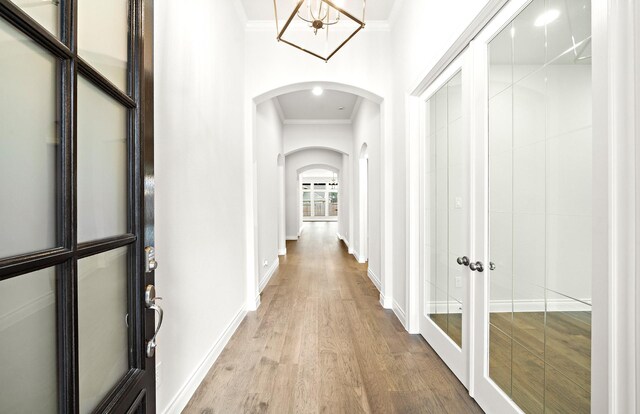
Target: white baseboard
(346, 242)
(359, 258)
(282, 252)
(183, 396)
(375, 279)
(267, 276)
(293, 238)
(386, 303)
(400, 314)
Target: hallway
(320, 342)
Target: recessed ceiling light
(547, 17)
(317, 91)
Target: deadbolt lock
(150, 259)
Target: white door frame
(616, 304)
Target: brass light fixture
(318, 27)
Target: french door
(77, 303)
(536, 218)
(508, 211)
(446, 207)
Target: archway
(251, 228)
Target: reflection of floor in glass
(451, 324)
(543, 370)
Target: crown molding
(317, 122)
(270, 25)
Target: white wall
(366, 129)
(338, 137)
(440, 22)
(200, 221)
(293, 163)
(267, 147)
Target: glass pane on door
(102, 164)
(448, 183)
(103, 33)
(306, 204)
(28, 351)
(319, 204)
(29, 145)
(102, 324)
(45, 12)
(540, 207)
(333, 204)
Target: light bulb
(317, 91)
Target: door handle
(476, 267)
(463, 261)
(150, 303)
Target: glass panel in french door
(29, 145)
(540, 207)
(447, 184)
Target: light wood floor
(321, 342)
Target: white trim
(282, 252)
(615, 20)
(278, 106)
(267, 276)
(346, 242)
(292, 238)
(487, 13)
(316, 122)
(375, 279)
(181, 399)
(356, 108)
(400, 314)
(386, 303)
(359, 258)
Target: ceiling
(303, 105)
(263, 9)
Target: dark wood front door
(76, 206)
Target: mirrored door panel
(447, 186)
(540, 219)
